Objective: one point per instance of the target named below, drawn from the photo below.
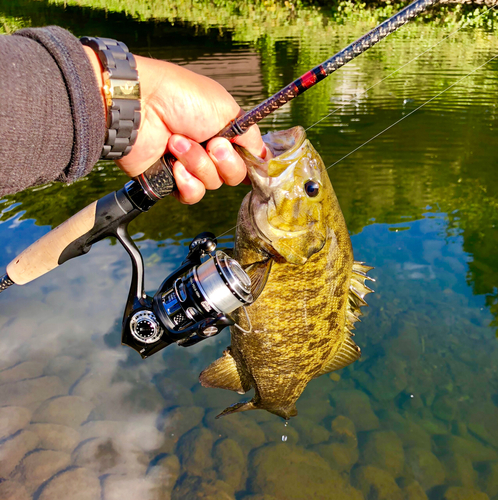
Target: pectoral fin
(225, 374)
(255, 404)
(348, 353)
(235, 408)
(259, 273)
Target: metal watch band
(122, 93)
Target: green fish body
(293, 242)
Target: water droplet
(284, 438)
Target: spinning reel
(192, 304)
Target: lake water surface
(84, 418)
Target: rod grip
(158, 180)
(44, 254)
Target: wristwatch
(122, 95)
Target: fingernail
(221, 153)
(181, 144)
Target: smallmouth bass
(293, 242)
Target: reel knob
(145, 328)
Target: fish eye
(312, 188)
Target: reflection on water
(82, 417)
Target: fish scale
(302, 269)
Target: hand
(181, 109)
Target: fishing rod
(195, 301)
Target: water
(415, 417)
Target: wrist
(98, 70)
(116, 70)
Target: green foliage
(9, 24)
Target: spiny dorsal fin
(348, 353)
(357, 292)
(224, 374)
(259, 273)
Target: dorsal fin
(348, 353)
(225, 374)
(357, 292)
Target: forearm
(52, 120)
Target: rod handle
(44, 254)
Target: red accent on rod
(308, 79)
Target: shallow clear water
(82, 417)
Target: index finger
(252, 141)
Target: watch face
(124, 89)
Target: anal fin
(225, 374)
(348, 353)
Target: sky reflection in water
(417, 415)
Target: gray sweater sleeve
(52, 120)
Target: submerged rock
(383, 449)
(339, 456)
(139, 399)
(424, 466)
(56, 437)
(176, 422)
(344, 432)
(13, 450)
(139, 434)
(410, 433)
(470, 448)
(445, 408)
(162, 477)
(22, 371)
(195, 488)
(67, 368)
(459, 470)
(13, 419)
(458, 493)
(230, 463)
(106, 456)
(194, 451)
(74, 484)
(414, 491)
(39, 467)
(356, 406)
(292, 473)
(489, 478)
(277, 431)
(388, 378)
(376, 483)
(70, 411)
(26, 392)
(239, 427)
(310, 433)
(258, 497)
(125, 488)
(173, 392)
(10, 490)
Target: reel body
(192, 304)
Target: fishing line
(413, 111)
(379, 82)
(395, 123)
(396, 71)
